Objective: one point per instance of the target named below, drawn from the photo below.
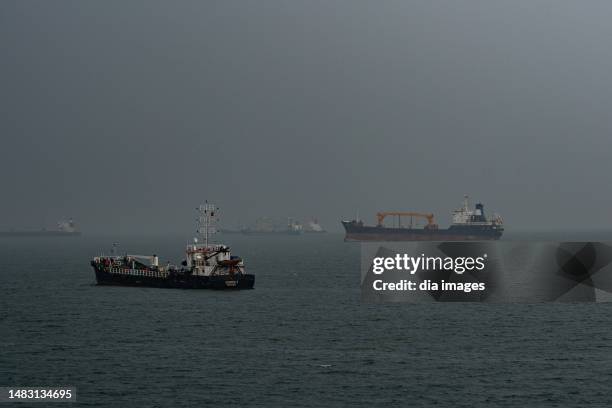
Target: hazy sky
(125, 115)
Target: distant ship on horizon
(65, 228)
(266, 226)
(313, 227)
(467, 225)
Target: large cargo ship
(206, 265)
(64, 229)
(467, 225)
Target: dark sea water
(301, 338)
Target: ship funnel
(155, 260)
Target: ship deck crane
(428, 216)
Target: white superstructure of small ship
(207, 258)
(313, 227)
(67, 226)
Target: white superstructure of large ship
(465, 216)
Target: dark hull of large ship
(357, 232)
(176, 281)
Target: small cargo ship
(206, 266)
(467, 225)
(64, 229)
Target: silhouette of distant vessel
(264, 226)
(313, 227)
(64, 229)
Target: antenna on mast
(206, 220)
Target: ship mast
(466, 202)
(206, 221)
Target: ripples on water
(301, 338)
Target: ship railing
(138, 272)
(476, 223)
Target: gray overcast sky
(125, 115)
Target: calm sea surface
(301, 338)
